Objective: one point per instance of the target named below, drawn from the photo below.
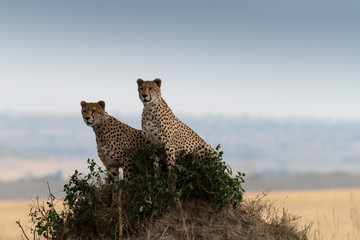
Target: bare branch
(18, 223)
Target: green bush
(88, 201)
(47, 221)
(88, 211)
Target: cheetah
(112, 137)
(164, 130)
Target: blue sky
(259, 58)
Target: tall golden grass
(335, 214)
(10, 212)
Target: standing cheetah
(163, 129)
(112, 137)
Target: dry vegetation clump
(254, 219)
(194, 200)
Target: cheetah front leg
(112, 168)
(127, 170)
(170, 155)
(113, 172)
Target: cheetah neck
(153, 105)
(99, 127)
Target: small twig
(52, 197)
(37, 206)
(183, 216)
(18, 223)
(148, 231)
(120, 214)
(164, 232)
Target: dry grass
(10, 212)
(335, 214)
(13, 211)
(196, 219)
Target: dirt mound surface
(196, 219)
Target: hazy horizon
(34, 146)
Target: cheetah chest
(152, 133)
(104, 149)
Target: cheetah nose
(144, 95)
(87, 118)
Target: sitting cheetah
(163, 129)
(112, 136)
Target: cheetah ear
(102, 104)
(139, 81)
(83, 103)
(158, 81)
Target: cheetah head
(149, 91)
(92, 112)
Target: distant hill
(251, 145)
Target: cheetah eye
(150, 88)
(93, 111)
